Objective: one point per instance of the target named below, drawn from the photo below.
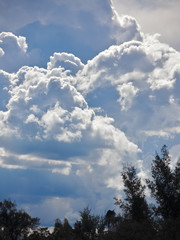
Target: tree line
(138, 219)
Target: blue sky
(85, 88)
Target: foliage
(165, 189)
(88, 226)
(14, 224)
(135, 206)
(62, 231)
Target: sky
(86, 87)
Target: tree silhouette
(62, 231)
(15, 223)
(165, 189)
(134, 206)
(88, 226)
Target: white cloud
(65, 171)
(13, 52)
(47, 103)
(44, 107)
(153, 62)
(67, 61)
(127, 93)
(93, 26)
(8, 37)
(154, 17)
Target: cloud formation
(13, 52)
(67, 127)
(48, 126)
(154, 17)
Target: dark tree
(15, 224)
(177, 188)
(165, 189)
(134, 206)
(62, 231)
(136, 222)
(164, 185)
(88, 226)
(110, 219)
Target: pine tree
(135, 206)
(165, 189)
(136, 222)
(162, 185)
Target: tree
(62, 231)
(15, 223)
(88, 226)
(135, 206)
(135, 222)
(177, 187)
(165, 189)
(110, 219)
(164, 185)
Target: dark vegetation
(137, 218)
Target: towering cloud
(67, 129)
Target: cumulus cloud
(125, 28)
(138, 72)
(113, 65)
(50, 29)
(72, 121)
(44, 108)
(127, 92)
(154, 17)
(47, 103)
(68, 129)
(13, 52)
(67, 61)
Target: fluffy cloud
(154, 17)
(48, 30)
(72, 121)
(48, 104)
(127, 92)
(67, 130)
(13, 52)
(67, 61)
(47, 124)
(131, 74)
(49, 129)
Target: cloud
(154, 17)
(67, 61)
(72, 121)
(48, 126)
(113, 65)
(51, 135)
(127, 92)
(68, 128)
(4, 85)
(50, 29)
(13, 52)
(58, 208)
(1, 52)
(48, 104)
